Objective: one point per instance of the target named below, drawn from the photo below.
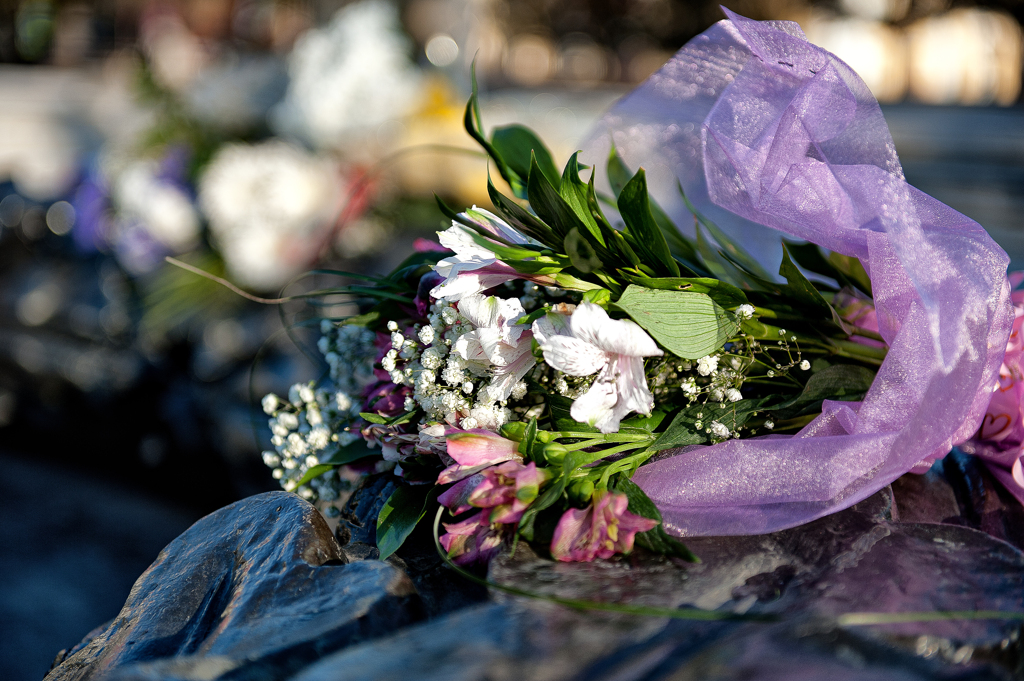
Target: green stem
(623, 464)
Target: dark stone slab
(258, 589)
(441, 590)
(857, 560)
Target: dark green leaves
(690, 325)
(844, 382)
(635, 209)
(515, 144)
(400, 515)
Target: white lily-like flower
(474, 269)
(590, 342)
(498, 345)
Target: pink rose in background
(600, 531)
(1000, 440)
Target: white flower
(473, 268)
(318, 438)
(614, 348)
(353, 74)
(805, 365)
(498, 343)
(769, 424)
(164, 209)
(733, 395)
(745, 311)
(707, 365)
(268, 206)
(288, 420)
(719, 430)
(270, 404)
(689, 386)
(426, 334)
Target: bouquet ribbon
(765, 130)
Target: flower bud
(554, 452)
(581, 491)
(515, 430)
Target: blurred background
(261, 139)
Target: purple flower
(600, 531)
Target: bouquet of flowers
(575, 370)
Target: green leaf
(842, 382)
(475, 130)
(656, 540)
(728, 244)
(598, 296)
(800, 289)
(400, 515)
(550, 206)
(314, 472)
(373, 418)
(581, 253)
(635, 209)
(646, 423)
(515, 144)
(347, 454)
(618, 177)
(810, 257)
(723, 293)
(529, 438)
(690, 325)
(683, 430)
(520, 218)
(679, 433)
(576, 194)
(619, 174)
(853, 269)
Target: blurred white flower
(355, 73)
(268, 205)
(163, 208)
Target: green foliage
(404, 509)
(690, 325)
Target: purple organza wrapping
(753, 119)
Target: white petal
(573, 356)
(458, 287)
(631, 384)
(481, 311)
(468, 347)
(621, 336)
(595, 407)
(458, 239)
(506, 377)
(496, 225)
(551, 324)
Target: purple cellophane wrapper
(764, 129)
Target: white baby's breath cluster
(349, 351)
(307, 427)
(449, 382)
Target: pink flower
(858, 309)
(473, 540)
(475, 450)
(600, 531)
(1000, 440)
(508, 490)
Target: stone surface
(261, 590)
(258, 589)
